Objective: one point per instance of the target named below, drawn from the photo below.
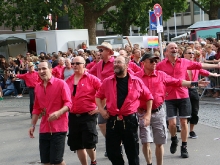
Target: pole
(151, 32)
(160, 40)
(130, 31)
(175, 23)
(203, 17)
(200, 13)
(168, 32)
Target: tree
(135, 12)
(93, 9)
(210, 7)
(29, 13)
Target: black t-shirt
(122, 90)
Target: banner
(150, 41)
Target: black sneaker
(174, 145)
(193, 135)
(184, 153)
(93, 162)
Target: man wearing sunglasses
(123, 92)
(83, 135)
(156, 81)
(177, 98)
(102, 70)
(193, 75)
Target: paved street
(16, 148)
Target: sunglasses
(190, 53)
(153, 60)
(77, 63)
(101, 50)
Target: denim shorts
(183, 106)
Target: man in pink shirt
(177, 98)
(31, 79)
(157, 130)
(83, 135)
(193, 75)
(102, 70)
(52, 101)
(58, 70)
(95, 61)
(123, 93)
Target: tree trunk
(213, 13)
(90, 20)
(125, 29)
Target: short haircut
(48, 63)
(127, 59)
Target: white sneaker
(19, 96)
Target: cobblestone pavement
(17, 148)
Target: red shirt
(196, 73)
(178, 71)
(84, 99)
(101, 71)
(58, 71)
(52, 98)
(134, 67)
(136, 91)
(156, 83)
(91, 64)
(31, 78)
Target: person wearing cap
(31, 79)
(157, 130)
(122, 103)
(103, 69)
(58, 70)
(177, 98)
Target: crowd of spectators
(204, 51)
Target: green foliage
(29, 13)
(136, 12)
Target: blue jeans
(7, 92)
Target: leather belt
(80, 114)
(157, 109)
(124, 117)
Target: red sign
(157, 10)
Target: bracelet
(194, 84)
(33, 126)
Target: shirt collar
(154, 73)
(49, 82)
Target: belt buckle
(78, 115)
(118, 118)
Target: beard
(118, 71)
(174, 54)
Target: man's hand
(214, 74)
(104, 113)
(146, 120)
(31, 132)
(202, 83)
(54, 116)
(93, 112)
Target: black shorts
(194, 99)
(82, 132)
(52, 147)
(181, 105)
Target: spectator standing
(31, 79)
(68, 69)
(52, 101)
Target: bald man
(83, 135)
(177, 98)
